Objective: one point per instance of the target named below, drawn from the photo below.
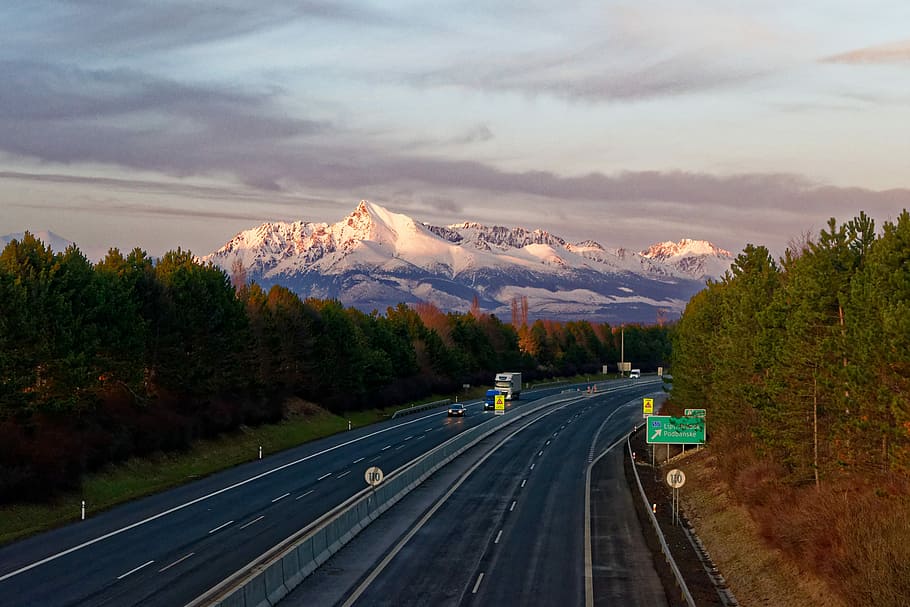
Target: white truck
(509, 384)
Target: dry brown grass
(758, 573)
(846, 542)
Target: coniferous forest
(134, 355)
(803, 367)
(808, 360)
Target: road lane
(87, 560)
(83, 562)
(513, 532)
(620, 556)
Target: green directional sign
(666, 430)
(694, 413)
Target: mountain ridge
(375, 258)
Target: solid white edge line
(177, 562)
(280, 497)
(477, 583)
(352, 598)
(131, 571)
(255, 520)
(220, 527)
(208, 496)
(589, 560)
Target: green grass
(138, 477)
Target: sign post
(676, 478)
(373, 476)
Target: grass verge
(138, 477)
(757, 573)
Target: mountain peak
(684, 248)
(374, 258)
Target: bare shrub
(875, 568)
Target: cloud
(99, 28)
(585, 75)
(126, 118)
(475, 134)
(896, 52)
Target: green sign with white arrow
(666, 430)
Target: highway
(169, 548)
(511, 530)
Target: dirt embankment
(757, 574)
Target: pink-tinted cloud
(896, 52)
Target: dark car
(456, 410)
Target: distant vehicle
(508, 383)
(635, 374)
(489, 401)
(456, 409)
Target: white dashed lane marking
(177, 562)
(131, 571)
(255, 520)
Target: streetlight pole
(622, 349)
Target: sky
(164, 124)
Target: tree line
(134, 355)
(807, 360)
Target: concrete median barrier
(279, 571)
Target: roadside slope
(756, 573)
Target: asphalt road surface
(169, 548)
(512, 531)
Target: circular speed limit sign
(676, 478)
(373, 476)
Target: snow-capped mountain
(692, 257)
(57, 243)
(375, 258)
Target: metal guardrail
(660, 536)
(549, 383)
(270, 577)
(423, 407)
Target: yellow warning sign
(499, 404)
(648, 406)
